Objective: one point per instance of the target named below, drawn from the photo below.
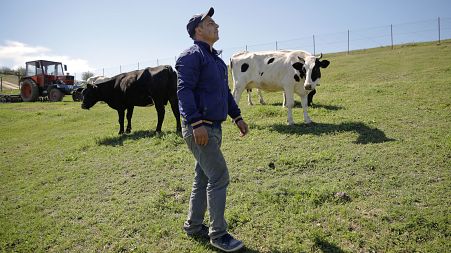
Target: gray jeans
(211, 179)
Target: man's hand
(200, 136)
(243, 127)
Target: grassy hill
(371, 175)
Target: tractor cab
(45, 78)
(44, 72)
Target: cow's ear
(324, 64)
(298, 65)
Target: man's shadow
(321, 244)
(206, 244)
(366, 134)
(326, 246)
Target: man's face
(208, 30)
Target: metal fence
(346, 41)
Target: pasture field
(372, 174)
(10, 78)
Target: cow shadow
(298, 104)
(136, 135)
(326, 107)
(366, 134)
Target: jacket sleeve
(188, 70)
(234, 111)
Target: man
(205, 101)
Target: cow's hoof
(128, 131)
(121, 132)
(309, 122)
(290, 123)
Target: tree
(20, 71)
(86, 75)
(5, 70)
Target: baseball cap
(196, 19)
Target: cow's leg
(129, 119)
(237, 91)
(259, 92)
(304, 102)
(284, 100)
(249, 99)
(175, 110)
(310, 97)
(289, 102)
(121, 113)
(160, 112)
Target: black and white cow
(96, 79)
(137, 88)
(262, 101)
(290, 71)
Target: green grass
(69, 183)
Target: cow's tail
(172, 80)
(172, 85)
(172, 96)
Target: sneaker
(227, 243)
(202, 233)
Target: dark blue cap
(196, 19)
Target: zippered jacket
(203, 91)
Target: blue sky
(103, 34)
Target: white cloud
(14, 54)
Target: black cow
(137, 88)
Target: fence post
(158, 62)
(246, 48)
(314, 49)
(391, 35)
(276, 46)
(348, 41)
(138, 65)
(439, 30)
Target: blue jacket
(203, 90)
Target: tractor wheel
(77, 95)
(29, 91)
(55, 95)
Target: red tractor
(45, 79)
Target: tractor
(46, 79)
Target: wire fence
(346, 41)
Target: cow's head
(309, 68)
(90, 96)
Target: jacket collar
(206, 46)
